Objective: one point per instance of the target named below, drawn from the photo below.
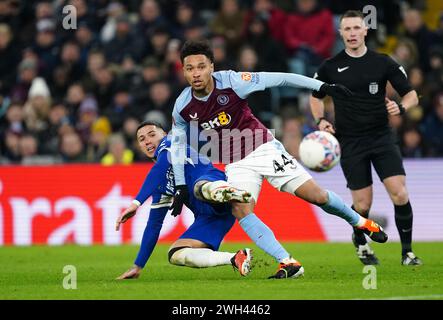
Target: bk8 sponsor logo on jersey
(222, 119)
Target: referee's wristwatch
(317, 121)
(401, 108)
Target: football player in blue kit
(198, 245)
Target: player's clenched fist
(126, 215)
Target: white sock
(361, 222)
(201, 257)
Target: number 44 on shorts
(281, 167)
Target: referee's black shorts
(358, 153)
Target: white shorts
(270, 161)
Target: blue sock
(337, 207)
(263, 237)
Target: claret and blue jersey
(226, 107)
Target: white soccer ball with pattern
(319, 151)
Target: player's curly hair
(197, 47)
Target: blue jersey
(159, 184)
(226, 108)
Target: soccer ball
(319, 151)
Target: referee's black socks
(359, 236)
(403, 220)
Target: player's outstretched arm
(244, 83)
(159, 208)
(126, 215)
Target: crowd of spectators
(78, 94)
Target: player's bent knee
(401, 197)
(177, 256)
(362, 207)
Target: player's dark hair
(352, 14)
(149, 123)
(197, 47)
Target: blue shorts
(212, 221)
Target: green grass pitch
(332, 271)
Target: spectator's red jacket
(315, 30)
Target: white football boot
(221, 191)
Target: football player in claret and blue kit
(215, 103)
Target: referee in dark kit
(362, 128)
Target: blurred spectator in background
(150, 18)
(86, 40)
(96, 61)
(9, 58)
(416, 30)
(118, 153)
(309, 36)
(74, 97)
(129, 129)
(405, 53)
(196, 30)
(60, 82)
(173, 66)
(50, 137)
(11, 148)
(432, 127)
(121, 108)
(46, 46)
(44, 10)
(416, 78)
(271, 54)
(70, 59)
(271, 15)
(161, 99)
(158, 43)
(72, 148)
(438, 34)
(292, 135)
(184, 17)
(85, 14)
(150, 73)
(434, 77)
(97, 144)
(261, 100)
(104, 86)
(229, 23)
(15, 120)
(87, 115)
(412, 145)
(221, 61)
(37, 107)
(125, 43)
(27, 72)
(28, 146)
(113, 11)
